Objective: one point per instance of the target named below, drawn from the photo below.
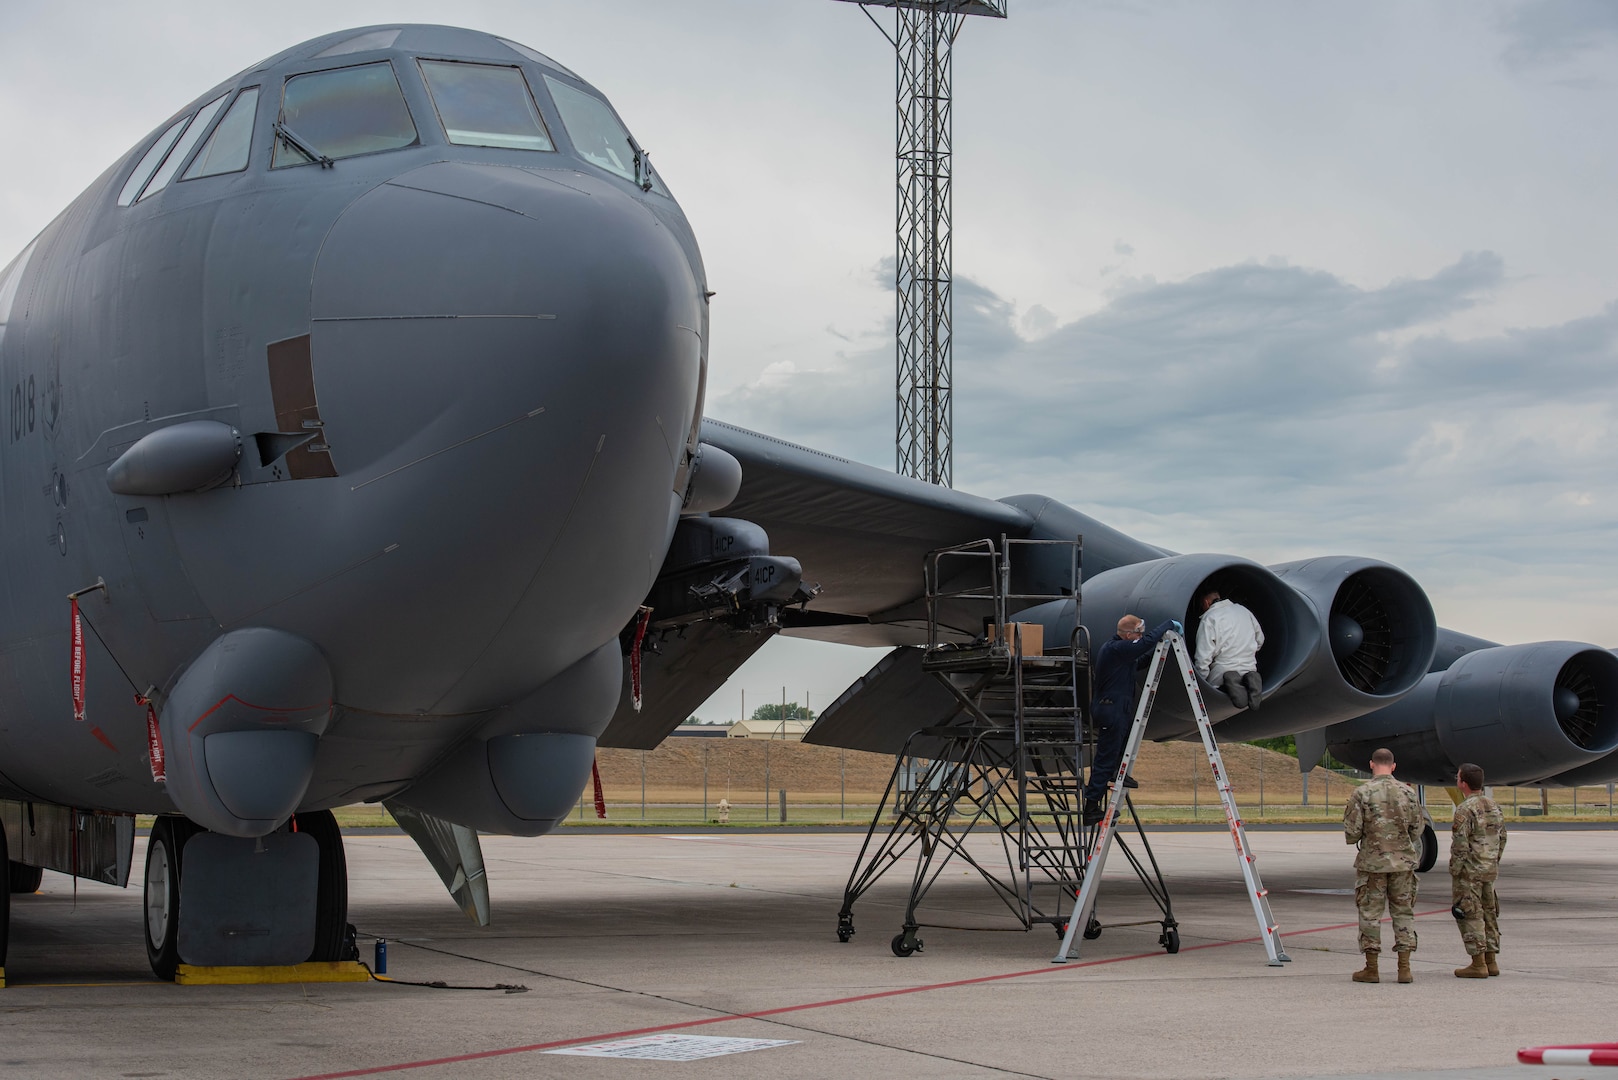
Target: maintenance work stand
(1085, 905)
(1009, 762)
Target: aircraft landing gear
(22, 878)
(164, 850)
(1429, 849)
(315, 911)
(331, 898)
(5, 902)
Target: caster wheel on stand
(1170, 940)
(905, 943)
(1092, 929)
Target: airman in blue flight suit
(1112, 704)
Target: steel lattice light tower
(923, 37)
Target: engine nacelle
(1377, 636)
(1170, 589)
(1525, 713)
(520, 773)
(240, 729)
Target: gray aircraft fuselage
(360, 405)
(465, 380)
(375, 404)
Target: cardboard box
(1033, 636)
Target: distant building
(789, 730)
(703, 731)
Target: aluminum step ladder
(1084, 907)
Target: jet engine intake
(1378, 621)
(1525, 713)
(1172, 588)
(1377, 633)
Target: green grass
(633, 815)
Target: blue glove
(1179, 627)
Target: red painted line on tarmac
(728, 1017)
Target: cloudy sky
(1277, 279)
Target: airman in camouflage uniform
(1477, 841)
(1384, 818)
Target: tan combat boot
(1404, 967)
(1477, 969)
(1489, 962)
(1368, 975)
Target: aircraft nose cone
(1346, 636)
(507, 367)
(463, 288)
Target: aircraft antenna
(923, 39)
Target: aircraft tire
(21, 878)
(331, 899)
(1429, 849)
(5, 903)
(164, 849)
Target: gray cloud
(1553, 31)
(1273, 410)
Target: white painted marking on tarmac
(672, 1047)
(1325, 892)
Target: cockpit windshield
(596, 133)
(149, 162)
(485, 105)
(227, 149)
(341, 113)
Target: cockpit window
(149, 162)
(182, 147)
(484, 105)
(226, 149)
(342, 113)
(371, 39)
(596, 133)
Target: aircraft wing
(861, 533)
(683, 672)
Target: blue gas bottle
(381, 956)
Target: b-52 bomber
(355, 447)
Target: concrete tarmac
(732, 935)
